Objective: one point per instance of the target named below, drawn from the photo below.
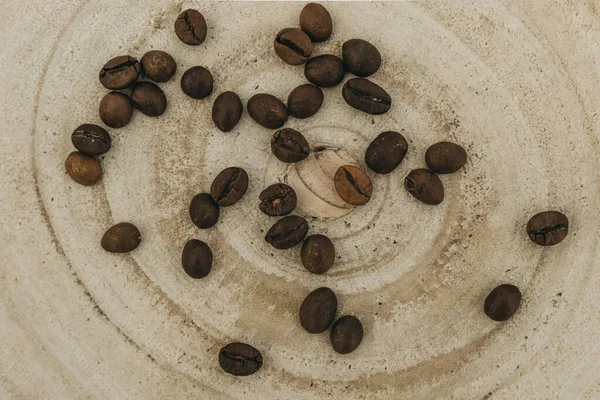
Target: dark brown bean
(293, 46)
(548, 228)
(229, 186)
(325, 70)
(305, 100)
(317, 254)
(346, 334)
(289, 145)
(197, 82)
(287, 232)
(121, 238)
(115, 110)
(91, 140)
(196, 259)
(190, 27)
(366, 96)
(149, 99)
(83, 169)
(227, 111)
(502, 302)
(353, 185)
(445, 157)
(240, 359)
(318, 310)
(316, 22)
(158, 65)
(425, 186)
(277, 200)
(386, 152)
(360, 57)
(120, 72)
(267, 110)
(204, 211)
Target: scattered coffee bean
(317, 254)
(445, 157)
(267, 110)
(353, 185)
(158, 65)
(287, 232)
(120, 72)
(91, 140)
(325, 70)
(116, 110)
(227, 111)
(305, 100)
(318, 310)
(197, 82)
(240, 359)
(196, 259)
(548, 228)
(277, 200)
(316, 22)
(229, 186)
(149, 98)
(190, 27)
(386, 152)
(366, 96)
(361, 57)
(502, 302)
(346, 334)
(204, 211)
(121, 238)
(293, 46)
(425, 186)
(84, 170)
(289, 145)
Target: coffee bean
(317, 254)
(84, 170)
(197, 82)
(548, 228)
(361, 57)
(204, 211)
(287, 232)
(325, 70)
(316, 22)
(425, 186)
(366, 96)
(267, 110)
(346, 334)
(115, 110)
(158, 65)
(149, 98)
(502, 302)
(445, 157)
(121, 238)
(229, 186)
(305, 100)
(190, 27)
(227, 111)
(318, 310)
(240, 359)
(91, 140)
(278, 199)
(120, 72)
(293, 46)
(289, 145)
(196, 259)
(386, 152)
(353, 185)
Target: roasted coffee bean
(361, 57)
(115, 110)
(267, 110)
(289, 145)
(197, 82)
(317, 254)
(346, 334)
(240, 359)
(196, 259)
(316, 22)
(158, 65)
(277, 200)
(318, 310)
(445, 157)
(425, 186)
(121, 238)
(120, 72)
(548, 228)
(287, 232)
(84, 170)
(386, 152)
(227, 111)
(366, 96)
(325, 70)
(293, 46)
(502, 302)
(229, 186)
(305, 100)
(204, 211)
(149, 98)
(353, 185)
(190, 27)
(91, 140)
